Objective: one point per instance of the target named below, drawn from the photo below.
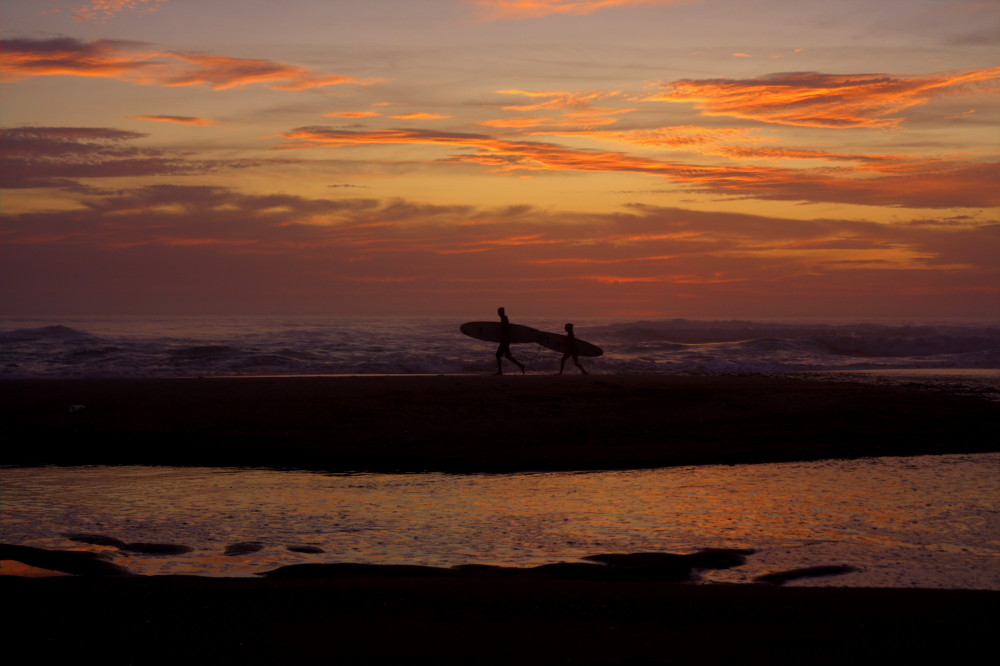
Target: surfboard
(490, 331)
(560, 343)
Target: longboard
(490, 331)
(560, 343)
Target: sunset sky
(612, 158)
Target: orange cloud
(711, 141)
(22, 58)
(513, 154)
(183, 120)
(932, 184)
(583, 119)
(812, 99)
(577, 105)
(522, 123)
(557, 99)
(420, 116)
(673, 136)
(870, 163)
(502, 9)
(352, 114)
(102, 11)
(221, 72)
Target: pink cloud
(352, 114)
(503, 9)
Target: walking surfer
(503, 351)
(571, 350)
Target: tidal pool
(930, 521)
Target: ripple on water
(928, 521)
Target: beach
(464, 423)
(467, 423)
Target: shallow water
(931, 521)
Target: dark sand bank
(398, 619)
(479, 423)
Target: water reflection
(928, 521)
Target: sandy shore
(479, 423)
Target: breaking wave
(178, 347)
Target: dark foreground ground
(477, 423)
(413, 620)
(463, 424)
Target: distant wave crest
(55, 332)
(165, 347)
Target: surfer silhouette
(503, 351)
(571, 350)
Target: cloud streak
(102, 11)
(813, 99)
(935, 184)
(60, 156)
(140, 63)
(577, 110)
(180, 120)
(517, 9)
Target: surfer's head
(500, 311)
(568, 327)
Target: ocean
(234, 346)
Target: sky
(768, 159)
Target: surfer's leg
(500, 355)
(516, 362)
(577, 361)
(562, 363)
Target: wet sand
(479, 423)
(493, 424)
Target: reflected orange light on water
(926, 521)
(14, 568)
